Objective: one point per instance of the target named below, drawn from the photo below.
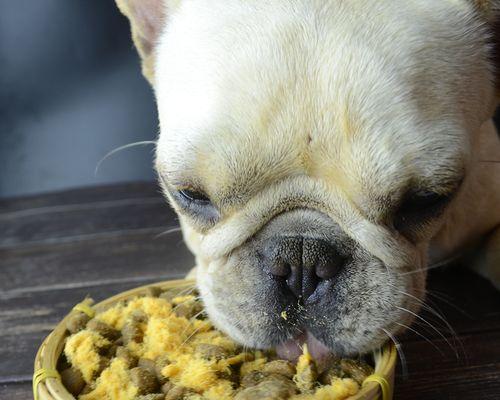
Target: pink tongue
(292, 349)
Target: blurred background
(71, 90)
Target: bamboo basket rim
(52, 347)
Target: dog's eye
(197, 204)
(418, 207)
(193, 196)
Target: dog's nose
(302, 262)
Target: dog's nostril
(304, 262)
(280, 269)
(328, 263)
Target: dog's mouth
(291, 349)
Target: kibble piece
(72, 380)
(160, 363)
(268, 390)
(126, 355)
(334, 371)
(211, 351)
(110, 351)
(184, 310)
(356, 370)
(167, 387)
(76, 322)
(86, 390)
(168, 295)
(177, 393)
(138, 316)
(103, 329)
(103, 364)
(153, 291)
(280, 367)
(131, 332)
(147, 364)
(145, 381)
(253, 378)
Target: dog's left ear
(490, 11)
(147, 20)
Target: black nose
(302, 262)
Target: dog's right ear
(147, 20)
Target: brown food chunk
(167, 387)
(153, 291)
(72, 380)
(271, 389)
(109, 351)
(280, 367)
(131, 332)
(253, 378)
(334, 371)
(357, 370)
(145, 381)
(160, 363)
(87, 389)
(147, 364)
(76, 322)
(103, 329)
(138, 316)
(125, 354)
(187, 309)
(178, 393)
(103, 364)
(168, 295)
(210, 351)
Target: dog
(322, 155)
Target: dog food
(161, 346)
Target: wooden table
(57, 248)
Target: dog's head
(312, 150)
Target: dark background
(70, 91)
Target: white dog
(321, 154)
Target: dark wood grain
(16, 391)
(57, 248)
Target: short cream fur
(335, 108)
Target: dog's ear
(489, 10)
(147, 19)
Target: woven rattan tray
(50, 350)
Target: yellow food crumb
(340, 389)
(306, 371)
(82, 351)
(250, 366)
(284, 315)
(183, 299)
(113, 384)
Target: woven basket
(52, 347)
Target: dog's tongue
(292, 349)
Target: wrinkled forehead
(363, 96)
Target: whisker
(448, 301)
(428, 308)
(116, 150)
(168, 231)
(401, 354)
(189, 337)
(433, 328)
(421, 335)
